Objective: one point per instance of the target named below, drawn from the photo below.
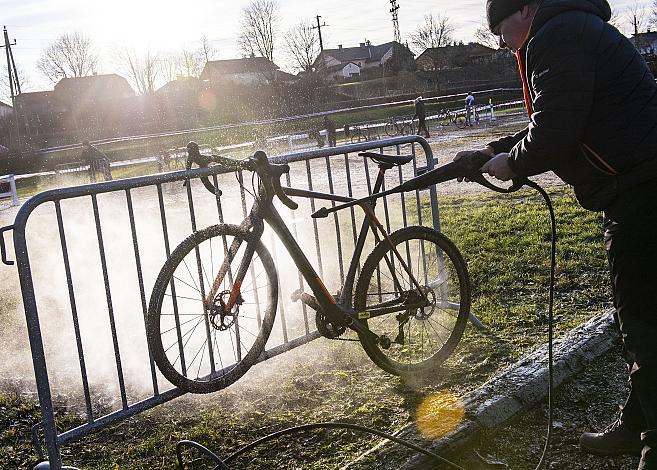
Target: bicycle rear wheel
(390, 129)
(197, 344)
(460, 122)
(413, 339)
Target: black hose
(223, 464)
(553, 261)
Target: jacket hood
(548, 9)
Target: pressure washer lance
(468, 167)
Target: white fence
(9, 179)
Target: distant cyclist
(469, 105)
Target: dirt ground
(587, 403)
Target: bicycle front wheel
(391, 129)
(418, 327)
(199, 343)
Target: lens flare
(439, 414)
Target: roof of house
(179, 85)
(244, 65)
(368, 53)
(650, 35)
(95, 86)
(471, 49)
(36, 96)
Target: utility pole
(319, 31)
(395, 19)
(321, 43)
(14, 84)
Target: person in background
(96, 160)
(469, 104)
(592, 103)
(329, 125)
(421, 115)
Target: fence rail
(10, 181)
(85, 302)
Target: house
(455, 56)
(94, 88)
(5, 110)
(92, 104)
(645, 43)
(248, 70)
(366, 59)
(346, 71)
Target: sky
(166, 26)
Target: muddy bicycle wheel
(198, 343)
(415, 335)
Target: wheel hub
(220, 318)
(425, 312)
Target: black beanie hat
(497, 10)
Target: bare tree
(485, 36)
(168, 67)
(259, 23)
(435, 32)
(70, 55)
(142, 71)
(636, 16)
(303, 45)
(616, 20)
(5, 89)
(190, 63)
(183, 64)
(206, 51)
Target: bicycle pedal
(296, 295)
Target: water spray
(468, 167)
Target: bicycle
(399, 126)
(362, 134)
(447, 117)
(409, 306)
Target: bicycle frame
(340, 309)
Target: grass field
(505, 240)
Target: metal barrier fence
(95, 251)
(10, 181)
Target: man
(329, 125)
(96, 160)
(421, 115)
(593, 108)
(469, 103)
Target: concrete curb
(505, 396)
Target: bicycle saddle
(389, 159)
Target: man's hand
(498, 166)
(487, 150)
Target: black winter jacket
(594, 104)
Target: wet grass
(505, 240)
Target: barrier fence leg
(14, 194)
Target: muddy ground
(589, 402)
